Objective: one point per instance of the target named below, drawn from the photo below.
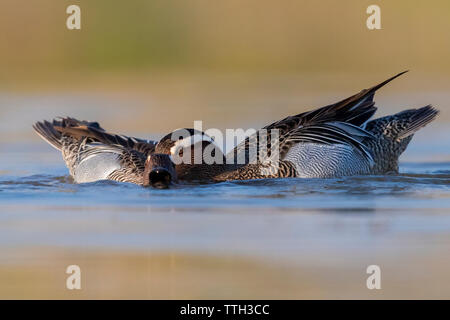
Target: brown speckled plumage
(81, 140)
(393, 134)
(332, 141)
(337, 140)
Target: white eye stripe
(189, 141)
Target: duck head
(159, 171)
(195, 154)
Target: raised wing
(336, 123)
(355, 110)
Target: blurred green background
(156, 65)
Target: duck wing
(355, 110)
(97, 161)
(330, 133)
(337, 123)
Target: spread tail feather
(416, 119)
(47, 132)
(393, 134)
(403, 124)
(52, 133)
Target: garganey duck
(332, 141)
(92, 154)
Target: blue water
(404, 191)
(272, 219)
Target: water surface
(290, 238)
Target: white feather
(96, 166)
(189, 141)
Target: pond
(284, 238)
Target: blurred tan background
(293, 36)
(145, 67)
(148, 67)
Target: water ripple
(407, 190)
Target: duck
(336, 140)
(340, 139)
(92, 154)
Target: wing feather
(338, 123)
(332, 133)
(356, 110)
(97, 161)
